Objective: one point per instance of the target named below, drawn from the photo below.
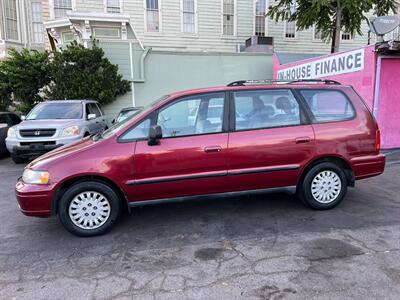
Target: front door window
(200, 114)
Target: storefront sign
(332, 65)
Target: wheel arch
(338, 160)
(97, 178)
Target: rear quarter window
(328, 105)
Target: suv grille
(37, 132)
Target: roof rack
(279, 81)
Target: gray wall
(166, 72)
(169, 72)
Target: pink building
(373, 71)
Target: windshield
(118, 126)
(48, 111)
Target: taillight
(378, 140)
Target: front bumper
(36, 147)
(34, 200)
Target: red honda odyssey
(314, 137)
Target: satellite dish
(385, 24)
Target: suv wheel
(17, 159)
(89, 208)
(324, 186)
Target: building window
(290, 30)
(113, 6)
(153, 15)
(346, 36)
(290, 27)
(37, 23)
(67, 37)
(107, 32)
(61, 7)
(11, 18)
(189, 16)
(228, 18)
(261, 7)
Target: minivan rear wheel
(89, 208)
(324, 186)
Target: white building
(21, 25)
(183, 25)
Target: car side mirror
(3, 125)
(23, 118)
(113, 121)
(91, 116)
(155, 134)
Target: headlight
(11, 133)
(71, 131)
(35, 177)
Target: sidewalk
(392, 156)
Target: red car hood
(60, 152)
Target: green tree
(84, 73)
(330, 16)
(5, 92)
(22, 75)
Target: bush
(84, 73)
(29, 76)
(22, 76)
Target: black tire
(305, 190)
(88, 186)
(17, 159)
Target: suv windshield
(48, 111)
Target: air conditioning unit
(263, 44)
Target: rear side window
(328, 105)
(266, 109)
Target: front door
(190, 159)
(270, 141)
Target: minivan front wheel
(324, 186)
(89, 208)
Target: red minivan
(314, 137)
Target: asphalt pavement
(259, 247)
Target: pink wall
(387, 108)
(362, 81)
(379, 82)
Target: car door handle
(213, 149)
(303, 140)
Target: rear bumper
(34, 200)
(368, 166)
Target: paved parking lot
(264, 247)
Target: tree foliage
(84, 73)
(323, 14)
(22, 76)
(30, 76)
